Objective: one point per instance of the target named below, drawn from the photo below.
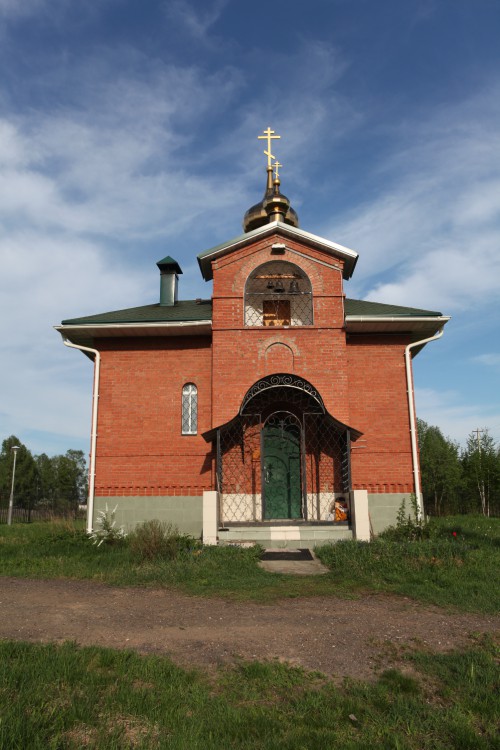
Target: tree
(440, 470)
(26, 474)
(481, 467)
(71, 480)
(62, 480)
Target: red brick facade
(360, 377)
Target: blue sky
(128, 131)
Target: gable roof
(362, 316)
(194, 317)
(189, 310)
(349, 257)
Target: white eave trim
(286, 229)
(99, 330)
(439, 319)
(411, 324)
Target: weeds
(158, 540)
(456, 566)
(410, 526)
(106, 531)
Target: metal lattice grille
(326, 459)
(281, 388)
(240, 471)
(189, 409)
(278, 293)
(323, 476)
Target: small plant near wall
(159, 540)
(410, 525)
(106, 531)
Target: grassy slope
(69, 697)
(457, 571)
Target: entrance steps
(292, 536)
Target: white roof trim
(286, 229)
(150, 324)
(87, 331)
(397, 318)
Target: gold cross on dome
(276, 166)
(268, 136)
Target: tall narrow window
(189, 409)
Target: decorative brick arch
(279, 357)
(261, 255)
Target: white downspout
(93, 439)
(411, 409)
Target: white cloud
(197, 21)
(490, 359)
(434, 223)
(456, 419)
(84, 193)
(16, 8)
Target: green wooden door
(282, 483)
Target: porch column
(360, 515)
(210, 516)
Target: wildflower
(454, 533)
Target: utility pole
(480, 478)
(14, 448)
(478, 432)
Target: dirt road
(336, 636)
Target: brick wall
(242, 355)
(381, 459)
(140, 448)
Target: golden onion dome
(274, 206)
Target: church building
(278, 411)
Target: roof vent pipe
(169, 270)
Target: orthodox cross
(276, 166)
(268, 136)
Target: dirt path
(335, 636)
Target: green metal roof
(191, 310)
(379, 309)
(188, 310)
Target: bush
(159, 540)
(409, 527)
(106, 531)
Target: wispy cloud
(490, 359)
(456, 419)
(197, 21)
(434, 220)
(16, 9)
(85, 191)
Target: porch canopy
(283, 457)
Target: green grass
(454, 571)
(55, 697)
(459, 571)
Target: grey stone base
(184, 512)
(383, 509)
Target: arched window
(278, 293)
(189, 409)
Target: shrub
(410, 527)
(154, 540)
(106, 530)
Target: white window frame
(189, 409)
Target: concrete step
(285, 537)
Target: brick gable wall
(140, 448)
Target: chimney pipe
(169, 271)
